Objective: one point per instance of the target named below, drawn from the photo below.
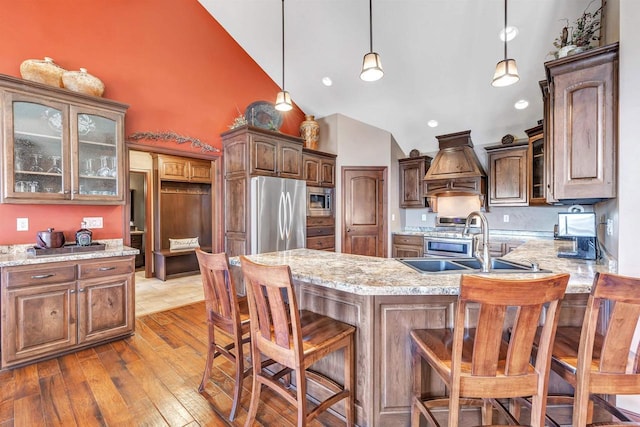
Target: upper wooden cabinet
(508, 174)
(583, 102)
(59, 146)
(412, 185)
(262, 152)
(536, 166)
(318, 168)
(182, 169)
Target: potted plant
(578, 38)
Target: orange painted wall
(168, 59)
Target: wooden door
(364, 206)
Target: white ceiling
(438, 57)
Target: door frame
(148, 235)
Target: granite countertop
(11, 255)
(364, 275)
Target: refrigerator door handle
(290, 214)
(281, 216)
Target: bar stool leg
(210, 353)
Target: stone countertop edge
(362, 275)
(12, 255)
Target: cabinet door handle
(43, 276)
(106, 268)
(72, 291)
(81, 290)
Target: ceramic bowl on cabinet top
(83, 82)
(42, 71)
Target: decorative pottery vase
(42, 71)
(564, 51)
(310, 132)
(83, 82)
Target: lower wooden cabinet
(54, 308)
(407, 246)
(321, 233)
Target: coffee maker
(580, 227)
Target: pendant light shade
(506, 73)
(371, 67)
(506, 70)
(283, 99)
(371, 64)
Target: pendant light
(506, 71)
(283, 99)
(371, 64)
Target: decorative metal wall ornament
(172, 136)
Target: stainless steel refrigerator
(278, 214)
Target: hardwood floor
(149, 379)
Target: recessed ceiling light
(521, 104)
(327, 81)
(511, 32)
(432, 123)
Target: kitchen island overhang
(385, 300)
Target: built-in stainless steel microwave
(319, 201)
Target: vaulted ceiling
(438, 57)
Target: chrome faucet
(484, 258)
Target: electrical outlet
(22, 224)
(424, 217)
(505, 218)
(93, 222)
(609, 227)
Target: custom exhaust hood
(455, 170)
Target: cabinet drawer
(92, 270)
(14, 277)
(403, 239)
(320, 221)
(320, 242)
(320, 231)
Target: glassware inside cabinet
(98, 155)
(37, 139)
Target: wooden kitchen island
(385, 300)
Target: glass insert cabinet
(60, 146)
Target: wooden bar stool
(602, 363)
(229, 314)
(480, 363)
(294, 339)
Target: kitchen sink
(467, 265)
(433, 265)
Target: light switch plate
(93, 222)
(22, 224)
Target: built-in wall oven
(448, 246)
(319, 201)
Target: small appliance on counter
(580, 227)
